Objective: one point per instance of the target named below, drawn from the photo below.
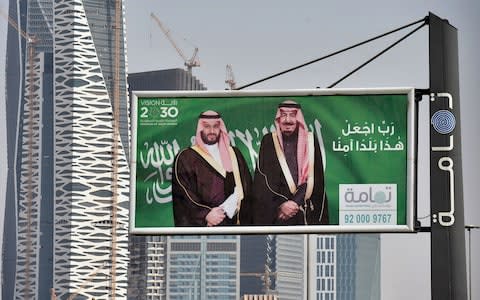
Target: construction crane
(229, 78)
(31, 41)
(53, 296)
(116, 143)
(267, 275)
(189, 63)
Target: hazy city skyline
(260, 39)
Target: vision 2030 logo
(368, 196)
(159, 109)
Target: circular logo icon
(443, 121)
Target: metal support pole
(469, 263)
(448, 266)
(469, 228)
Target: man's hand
(287, 210)
(215, 216)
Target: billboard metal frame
(412, 131)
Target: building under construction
(66, 211)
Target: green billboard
(367, 140)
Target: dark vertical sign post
(448, 262)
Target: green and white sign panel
(367, 138)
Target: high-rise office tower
(322, 270)
(164, 80)
(358, 267)
(147, 272)
(256, 264)
(324, 267)
(203, 267)
(291, 265)
(344, 267)
(66, 212)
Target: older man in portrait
(288, 186)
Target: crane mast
(115, 144)
(188, 62)
(229, 78)
(31, 41)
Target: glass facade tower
(344, 267)
(147, 272)
(203, 267)
(291, 266)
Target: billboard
(351, 169)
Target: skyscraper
(147, 278)
(322, 271)
(291, 266)
(344, 267)
(324, 267)
(358, 267)
(203, 267)
(66, 221)
(255, 264)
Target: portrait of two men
(212, 184)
